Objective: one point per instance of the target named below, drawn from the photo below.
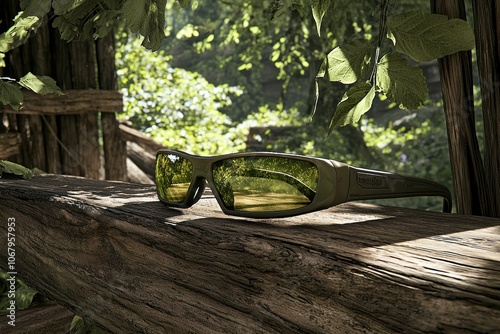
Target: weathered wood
(40, 319)
(73, 102)
(51, 144)
(142, 159)
(114, 254)
(487, 31)
(37, 144)
(469, 180)
(9, 144)
(133, 135)
(136, 174)
(115, 150)
(88, 145)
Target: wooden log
(40, 319)
(114, 254)
(9, 144)
(133, 135)
(136, 174)
(142, 159)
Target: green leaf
(278, 7)
(67, 29)
(134, 12)
(319, 8)
(355, 102)
(10, 94)
(347, 63)
(2, 61)
(35, 7)
(104, 22)
(62, 7)
(40, 84)
(19, 32)
(13, 168)
(403, 84)
(425, 37)
(148, 18)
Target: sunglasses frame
(337, 183)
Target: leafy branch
(415, 35)
(82, 19)
(10, 89)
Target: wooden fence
(76, 134)
(111, 252)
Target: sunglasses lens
(263, 184)
(173, 177)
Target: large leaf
(10, 94)
(19, 32)
(104, 22)
(35, 7)
(403, 84)
(148, 18)
(347, 63)
(355, 102)
(319, 8)
(62, 7)
(2, 61)
(425, 37)
(13, 168)
(40, 84)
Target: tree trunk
(457, 85)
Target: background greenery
(225, 67)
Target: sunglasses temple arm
(373, 184)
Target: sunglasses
(271, 185)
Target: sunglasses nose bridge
(201, 168)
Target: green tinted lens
(262, 184)
(173, 177)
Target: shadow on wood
(113, 254)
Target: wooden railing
(60, 134)
(112, 253)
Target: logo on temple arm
(372, 181)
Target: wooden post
(466, 162)
(115, 149)
(487, 30)
(113, 253)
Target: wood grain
(41, 319)
(112, 253)
(73, 102)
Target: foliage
(25, 296)
(13, 168)
(180, 108)
(418, 35)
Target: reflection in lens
(173, 177)
(261, 184)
